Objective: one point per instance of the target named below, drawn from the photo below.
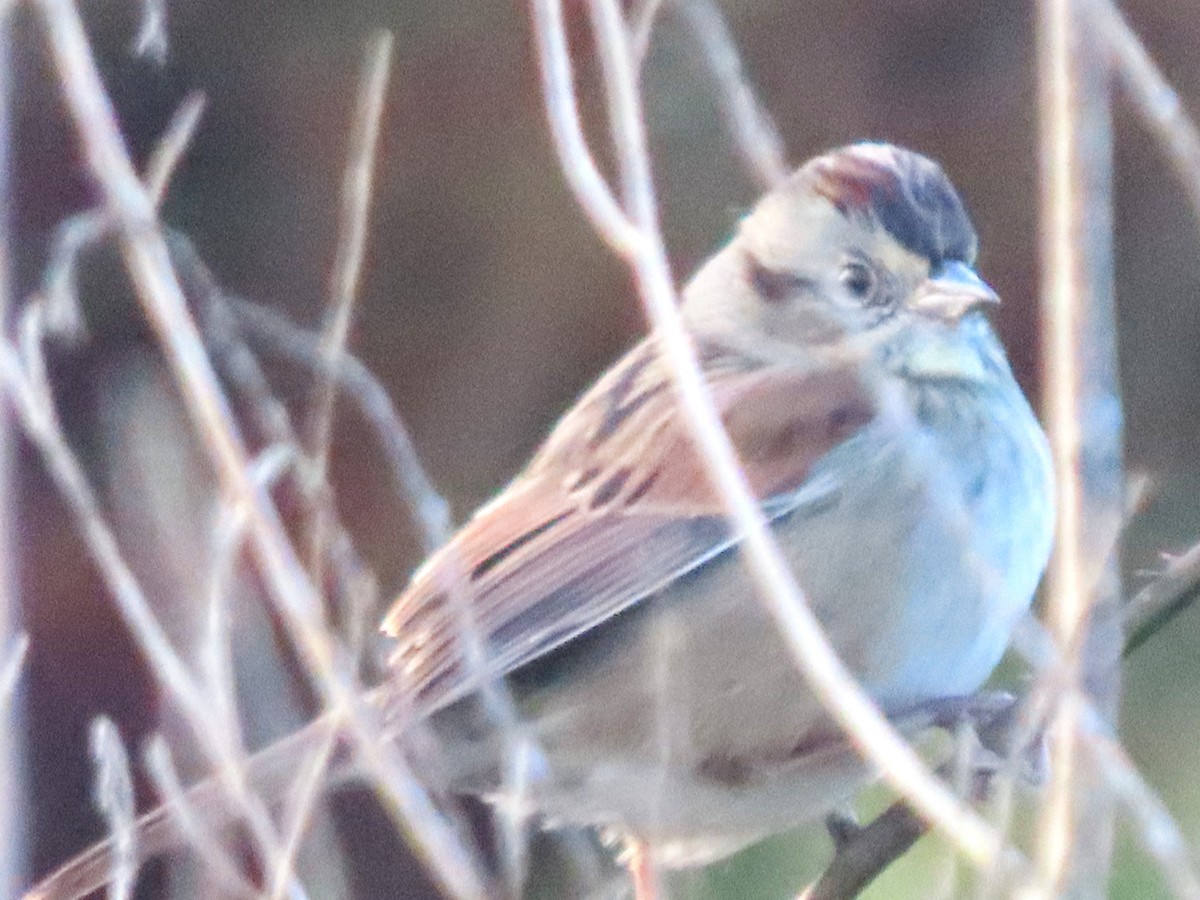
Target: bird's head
(867, 238)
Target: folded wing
(614, 507)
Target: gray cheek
(806, 322)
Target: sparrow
(843, 333)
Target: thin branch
(1172, 592)
(10, 671)
(1153, 97)
(266, 413)
(753, 130)
(26, 385)
(1155, 828)
(199, 838)
(355, 583)
(578, 167)
(642, 17)
(151, 39)
(863, 856)
(1116, 774)
(114, 798)
(172, 146)
(357, 184)
(1083, 423)
(270, 773)
(299, 809)
(274, 334)
(150, 267)
(64, 318)
(639, 241)
(148, 260)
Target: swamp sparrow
(904, 475)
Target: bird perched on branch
(843, 334)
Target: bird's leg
(641, 870)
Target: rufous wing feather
(615, 506)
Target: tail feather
(269, 774)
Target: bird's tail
(269, 773)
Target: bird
(844, 336)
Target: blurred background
(487, 303)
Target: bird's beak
(951, 290)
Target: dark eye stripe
(772, 285)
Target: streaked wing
(615, 506)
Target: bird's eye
(858, 279)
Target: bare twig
(10, 671)
(148, 260)
(274, 334)
(1083, 422)
(636, 236)
(1153, 97)
(579, 167)
(1151, 608)
(267, 414)
(347, 268)
(151, 40)
(114, 798)
(199, 839)
(753, 130)
(299, 808)
(218, 663)
(355, 583)
(64, 318)
(172, 145)
(63, 315)
(205, 805)
(1154, 826)
(215, 651)
(642, 17)
(26, 384)
(869, 850)
(1117, 776)
(991, 725)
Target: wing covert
(615, 506)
